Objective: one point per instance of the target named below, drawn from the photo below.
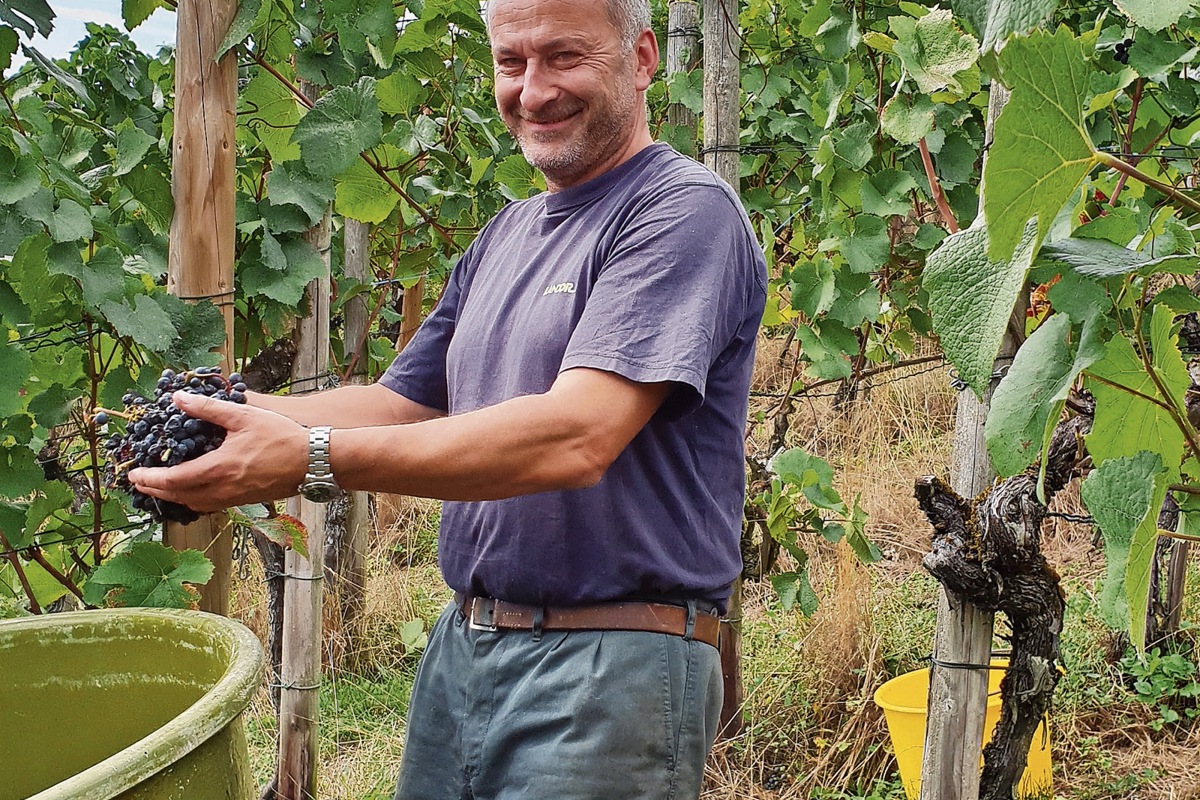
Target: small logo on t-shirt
(559, 288)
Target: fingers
(220, 412)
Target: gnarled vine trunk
(987, 550)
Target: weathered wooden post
(683, 54)
(200, 261)
(345, 559)
(722, 112)
(300, 675)
(958, 697)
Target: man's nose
(538, 88)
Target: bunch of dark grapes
(1121, 54)
(158, 434)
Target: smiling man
(578, 398)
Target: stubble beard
(561, 161)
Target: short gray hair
(629, 17)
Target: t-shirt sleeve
(671, 295)
(419, 371)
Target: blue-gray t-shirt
(650, 271)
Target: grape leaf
(28, 16)
(135, 12)
(14, 372)
(1124, 495)
(1041, 152)
(813, 287)
(935, 51)
(1127, 423)
(19, 177)
(908, 120)
(339, 127)
(971, 298)
(102, 279)
(1100, 259)
(1006, 17)
(149, 574)
(272, 112)
(1026, 406)
(145, 322)
(288, 183)
(201, 328)
(132, 145)
(8, 46)
(20, 472)
(70, 222)
(869, 247)
(1154, 15)
(363, 195)
(239, 28)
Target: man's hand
(264, 457)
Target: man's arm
(565, 438)
(346, 407)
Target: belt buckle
(483, 614)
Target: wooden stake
(302, 593)
(683, 54)
(722, 113)
(200, 261)
(958, 697)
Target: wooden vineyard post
(200, 261)
(346, 554)
(722, 112)
(958, 697)
(300, 673)
(683, 32)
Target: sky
(70, 16)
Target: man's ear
(645, 51)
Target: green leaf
(908, 120)
(971, 298)
(1006, 17)
(19, 177)
(362, 195)
(887, 192)
(135, 12)
(858, 299)
(813, 287)
(70, 222)
(271, 111)
(20, 473)
(934, 51)
(145, 322)
(1127, 423)
(869, 247)
(339, 127)
(856, 536)
(28, 16)
(1101, 259)
(14, 372)
(288, 183)
(151, 187)
(201, 328)
(102, 278)
(239, 29)
(149, 574)
(517, 178)
(1041, 152)
(8, 46)
(54, 496)
(287, 287)
(132, 145)
(801, 469)
(1124, 495)
(1026, 406)
(65, 79)
(399, 93)
(794, 589)
(1154, 15)
(827, 344)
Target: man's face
(568, 88)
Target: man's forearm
(345, 407)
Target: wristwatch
(319, 485)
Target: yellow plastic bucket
(904, 700)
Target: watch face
(319, 492)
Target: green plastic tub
(137, 704)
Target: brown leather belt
(489, 614)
